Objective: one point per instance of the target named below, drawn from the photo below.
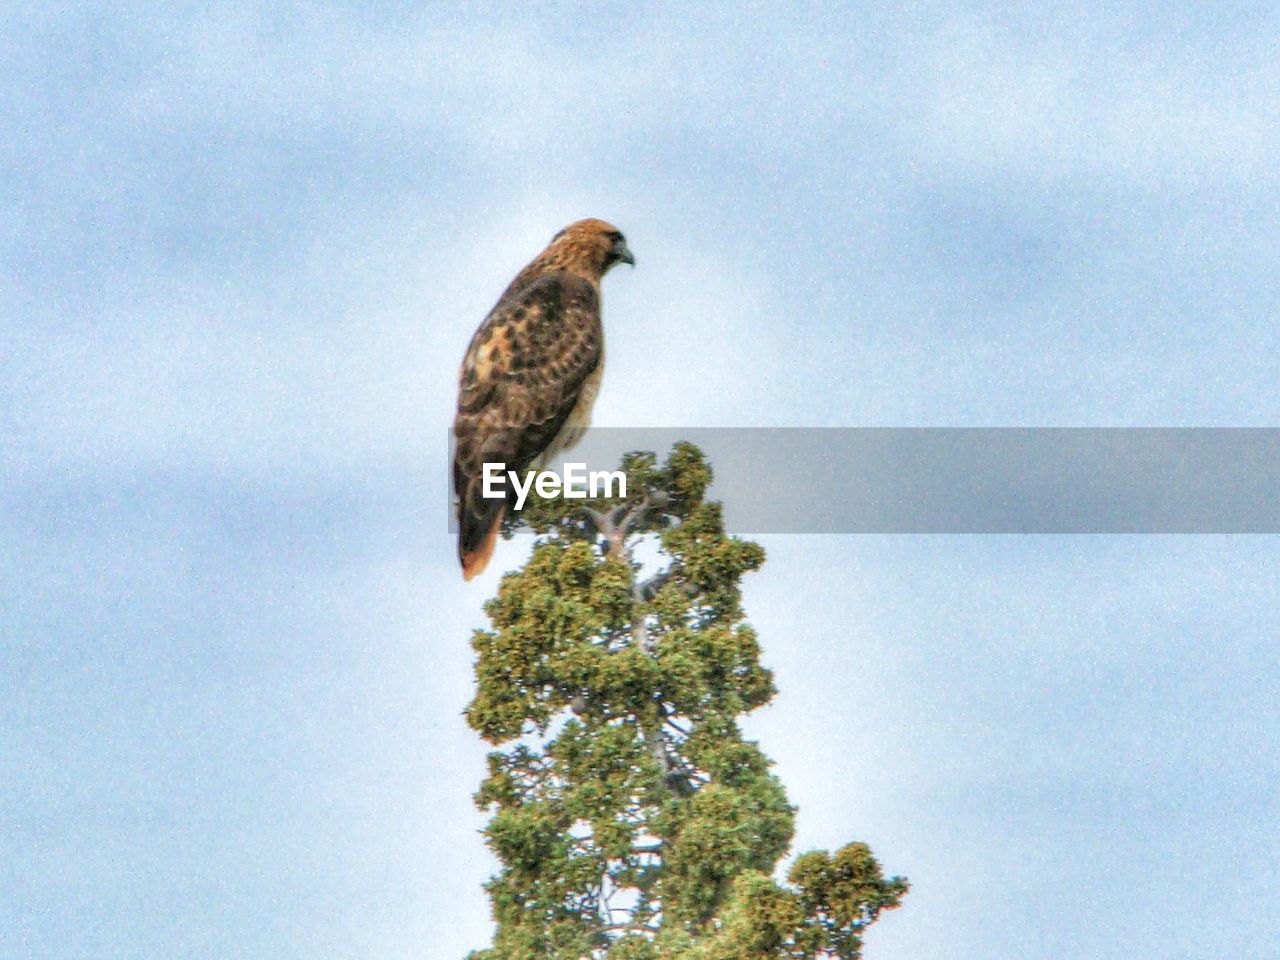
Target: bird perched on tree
(530, 375)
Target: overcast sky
(245, 246)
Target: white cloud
(1044, 109)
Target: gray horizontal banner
(975, 480)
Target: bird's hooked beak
(622, 254)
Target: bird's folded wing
(521, 378)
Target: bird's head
(593, 244)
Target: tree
(632, 819)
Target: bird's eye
(616, 237)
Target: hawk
(530, 375)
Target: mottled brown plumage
(530, 375)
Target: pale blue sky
(246, 245)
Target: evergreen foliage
(632, 819)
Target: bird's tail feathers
(478, 536)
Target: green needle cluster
(632, 819)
